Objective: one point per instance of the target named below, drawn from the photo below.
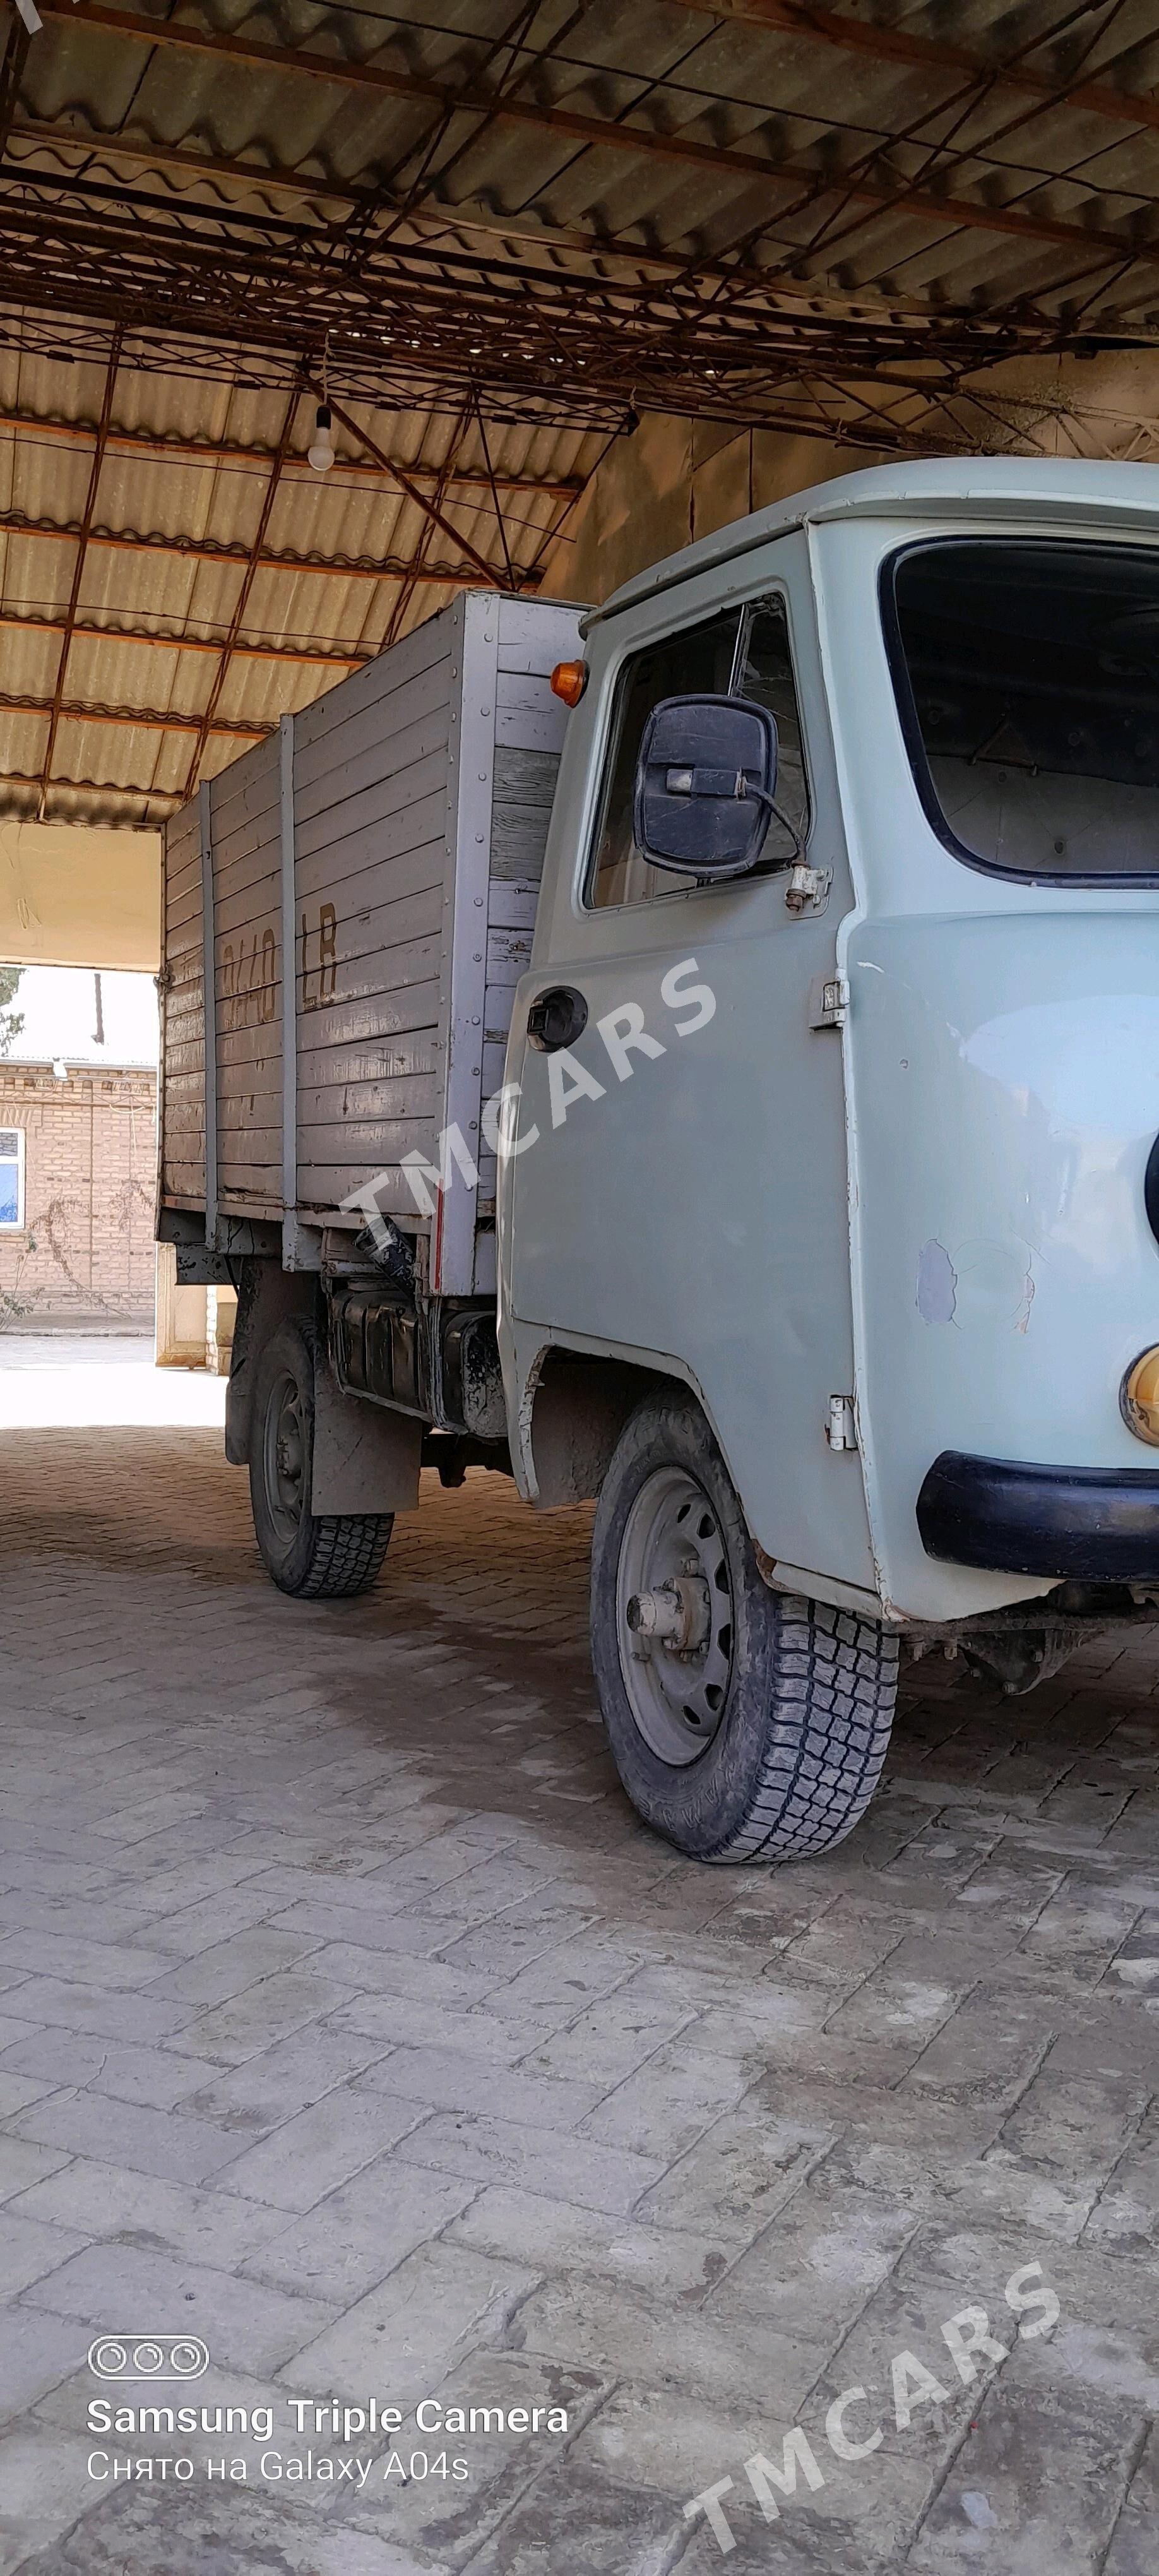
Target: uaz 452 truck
(702, 1056)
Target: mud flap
(366, 1458)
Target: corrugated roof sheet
(499, 233)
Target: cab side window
(767, 676)
(739, 653)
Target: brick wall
(85, 1254)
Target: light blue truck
(719, 1079)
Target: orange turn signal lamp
(568, 681)
(1139, 1398)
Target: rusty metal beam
(274, 294)
(204, 550)
(11, 74)
(89, 787)
(875, 42)
(81, 553)
(203, 451)
(672, 359)
(950, 213)
(430, 509)
(326, 659)
(241, 603)
(211, 165)
(106, 797)
(462, 216)
(407, 589)
(167, 246)
(495, 500)
(73, 711)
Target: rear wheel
(325, 1558)
(746, 1724)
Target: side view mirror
(704, 785)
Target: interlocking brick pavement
(350, 2019)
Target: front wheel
(745, 1724)
(319, 1558)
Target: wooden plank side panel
(388, 672)
(181, 989)
(376, 893)
(244, 805)
(182, 1145)
(369, 808)
(238, 869)
(400, 794)
(405, 975)
(375, 971)
(364, 935)
(395, 728)
(518, 843)
(524, 788)
(186, 1077)
(407, 1011)
(528, 725)
(323, 1186)
(182, 913)
(180, 856)
(369, 764)
(535, 634)
(391, 844)
(525, 777)
(351, 1147)
(245, 789)
(180, 860)
(397, 1094)
(182, 901)
(406, 1051)
(462, 971)
(530, 729)
(234, 849)
(250, 1048)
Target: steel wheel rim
(677, 1697)
(285, 1456)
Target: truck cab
(852, 1149)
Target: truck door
(683, 1194)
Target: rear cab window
(1027, 678)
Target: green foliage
(13, 1306)
(11, 1022)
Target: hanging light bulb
(321, 450)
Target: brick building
(78, 1126)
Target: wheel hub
(285, 1457)
(675, 1615)
(678, 1614)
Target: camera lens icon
(148, 2357)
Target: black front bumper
(1095, 1524)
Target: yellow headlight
(1139, 1397)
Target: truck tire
(325, 1559)
(745, 1724)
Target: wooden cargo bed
(390, 839)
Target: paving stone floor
(350, 2021)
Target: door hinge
(840, 1426)
(828, 1002)
(807, 889)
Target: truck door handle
(556, 1018)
